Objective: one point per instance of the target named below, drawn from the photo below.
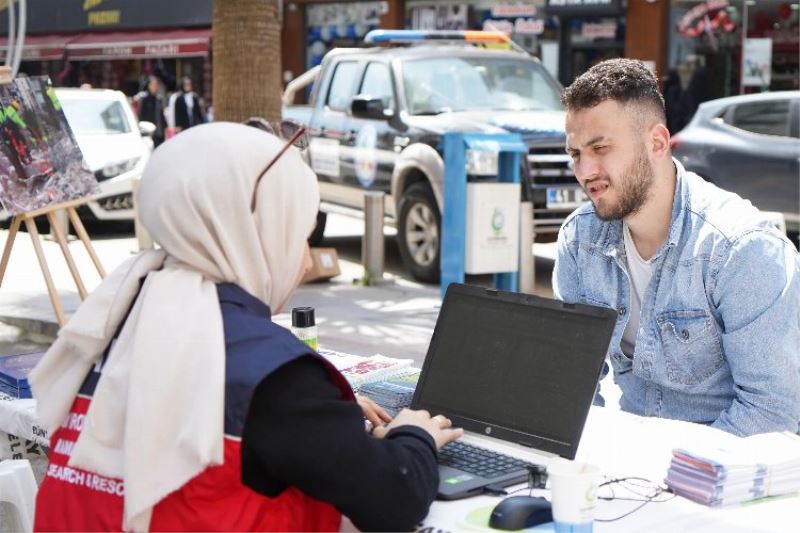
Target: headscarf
(157, 414)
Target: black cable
(625, 482)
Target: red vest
(70, 499)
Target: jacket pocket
(691, 344)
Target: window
(340, 93)
(443, 84)
(378, 84)
(95, 117)
(766, 118)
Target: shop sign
(144, 50)
(584, 7)
(507, 11)
(521, 25)
(599, 30)
(57, 16)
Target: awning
(39, 47)
(142, 44)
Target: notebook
(514, 367)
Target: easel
(30, 223)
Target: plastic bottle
(304, 327)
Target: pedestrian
(150, 105)
(706, 287)
(176, 403)
(188, 109)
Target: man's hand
(439, 426)
(372, 411)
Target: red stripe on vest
(71, 499)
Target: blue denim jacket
(719, 334)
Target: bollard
(372, 252)
(143, 239)
(527, 263)
(63, 223)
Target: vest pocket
(692, 347)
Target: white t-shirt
(640, 273)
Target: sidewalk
(395, 319)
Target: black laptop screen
(530, 367)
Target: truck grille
(548, 167)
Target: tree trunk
(247, 60)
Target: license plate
(565, 197)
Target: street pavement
(395, 318)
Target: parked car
(750, 145)
(115, 145)
(377, 117)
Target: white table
(18, 417)
(622, 444)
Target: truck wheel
(315, 239)
(419, 227)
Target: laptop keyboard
(478, 461)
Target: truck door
(371, 141)
(329, 125)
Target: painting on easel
(40, 162)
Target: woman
(198, 412)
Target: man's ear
(659, 140)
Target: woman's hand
(438, 426)
(372, 411)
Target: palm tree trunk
(247, 60)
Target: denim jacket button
(621, 311)
(685, 334)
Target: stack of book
(14, 371)
(360, 371)
(737, 470)
(393, 394)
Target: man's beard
(633, 186)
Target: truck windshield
(444, 84)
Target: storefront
(526, 22)
(311, 28)
(708, 36)
(116, 43)
(590, 31)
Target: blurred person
(706, 288)
(173, 400)
(150, 107)
(187, 107)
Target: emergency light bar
(416, 36)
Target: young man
(708, 292)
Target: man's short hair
(625, 81)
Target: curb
(34, 329)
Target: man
(151, 108)
(188, 111)
(707, 291)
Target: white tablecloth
(626, 445)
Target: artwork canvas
(40, 161)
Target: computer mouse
(519, 512)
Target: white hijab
(156, 417)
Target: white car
(115, 145)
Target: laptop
(515, 367)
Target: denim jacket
(719, 334)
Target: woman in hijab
(175, 403)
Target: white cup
(573, 487)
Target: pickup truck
(377, 115)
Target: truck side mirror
(365, 106)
